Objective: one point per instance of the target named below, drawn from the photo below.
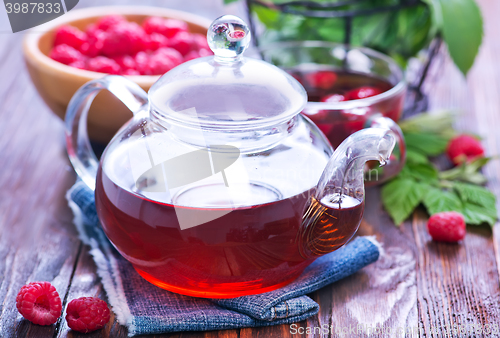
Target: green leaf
(437, 200)
(427, 143)
(425, 172)
(462, 27)
(475, 203)
(401, 196)
(475, 194)
(226, 2)
(266, 15)
(438, 123)
(415, 156)
(476, 214)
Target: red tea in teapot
(326, 85)
(246, 251)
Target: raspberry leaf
(424, 172)
(401, 196)
(427, 143)
(479, 203)
(416, 157)
(440, 123)
(477, 214)
(437, 200)
(475, 194)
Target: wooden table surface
(417, 284)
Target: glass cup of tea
(348, 89)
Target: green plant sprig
(422, 183)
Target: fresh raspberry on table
(321, 79)
(125, 38)
(103, 64)
(447, 226)
(87, 314)
(39, 303)
(333, 98)
(464, 148)
(70, 36)
(109, 21)
(362, 93)
(65, 54)
(182, 42)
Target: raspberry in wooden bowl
(139, 42)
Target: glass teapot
(218, 187)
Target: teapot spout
(344, 172)
(335, 211)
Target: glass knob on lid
(227, 91)
(228, 37)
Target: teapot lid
(227, 90)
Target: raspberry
(70, 36)
(362, 93)
(159, 64)
(182, 42)
(94, 43)
(156, 41)
(174, 27)
(166, 27)
(130, 72)
(194, 54)
(142, 63)
(169, 53)
(87, 314)
(333, 98)
(464, 148)
(199, 41)
(125, 38)
(125, 62)
(109, 21)
(448, 226)
(78, 64)
(321, 79)
(65, 54)
(39, 303)
(103, 64)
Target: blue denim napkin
(147, 309)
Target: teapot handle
(398, 157)
(80, 152)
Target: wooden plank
(457, 283)
(383, 294)
(37, 240)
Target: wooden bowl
(57, 82)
